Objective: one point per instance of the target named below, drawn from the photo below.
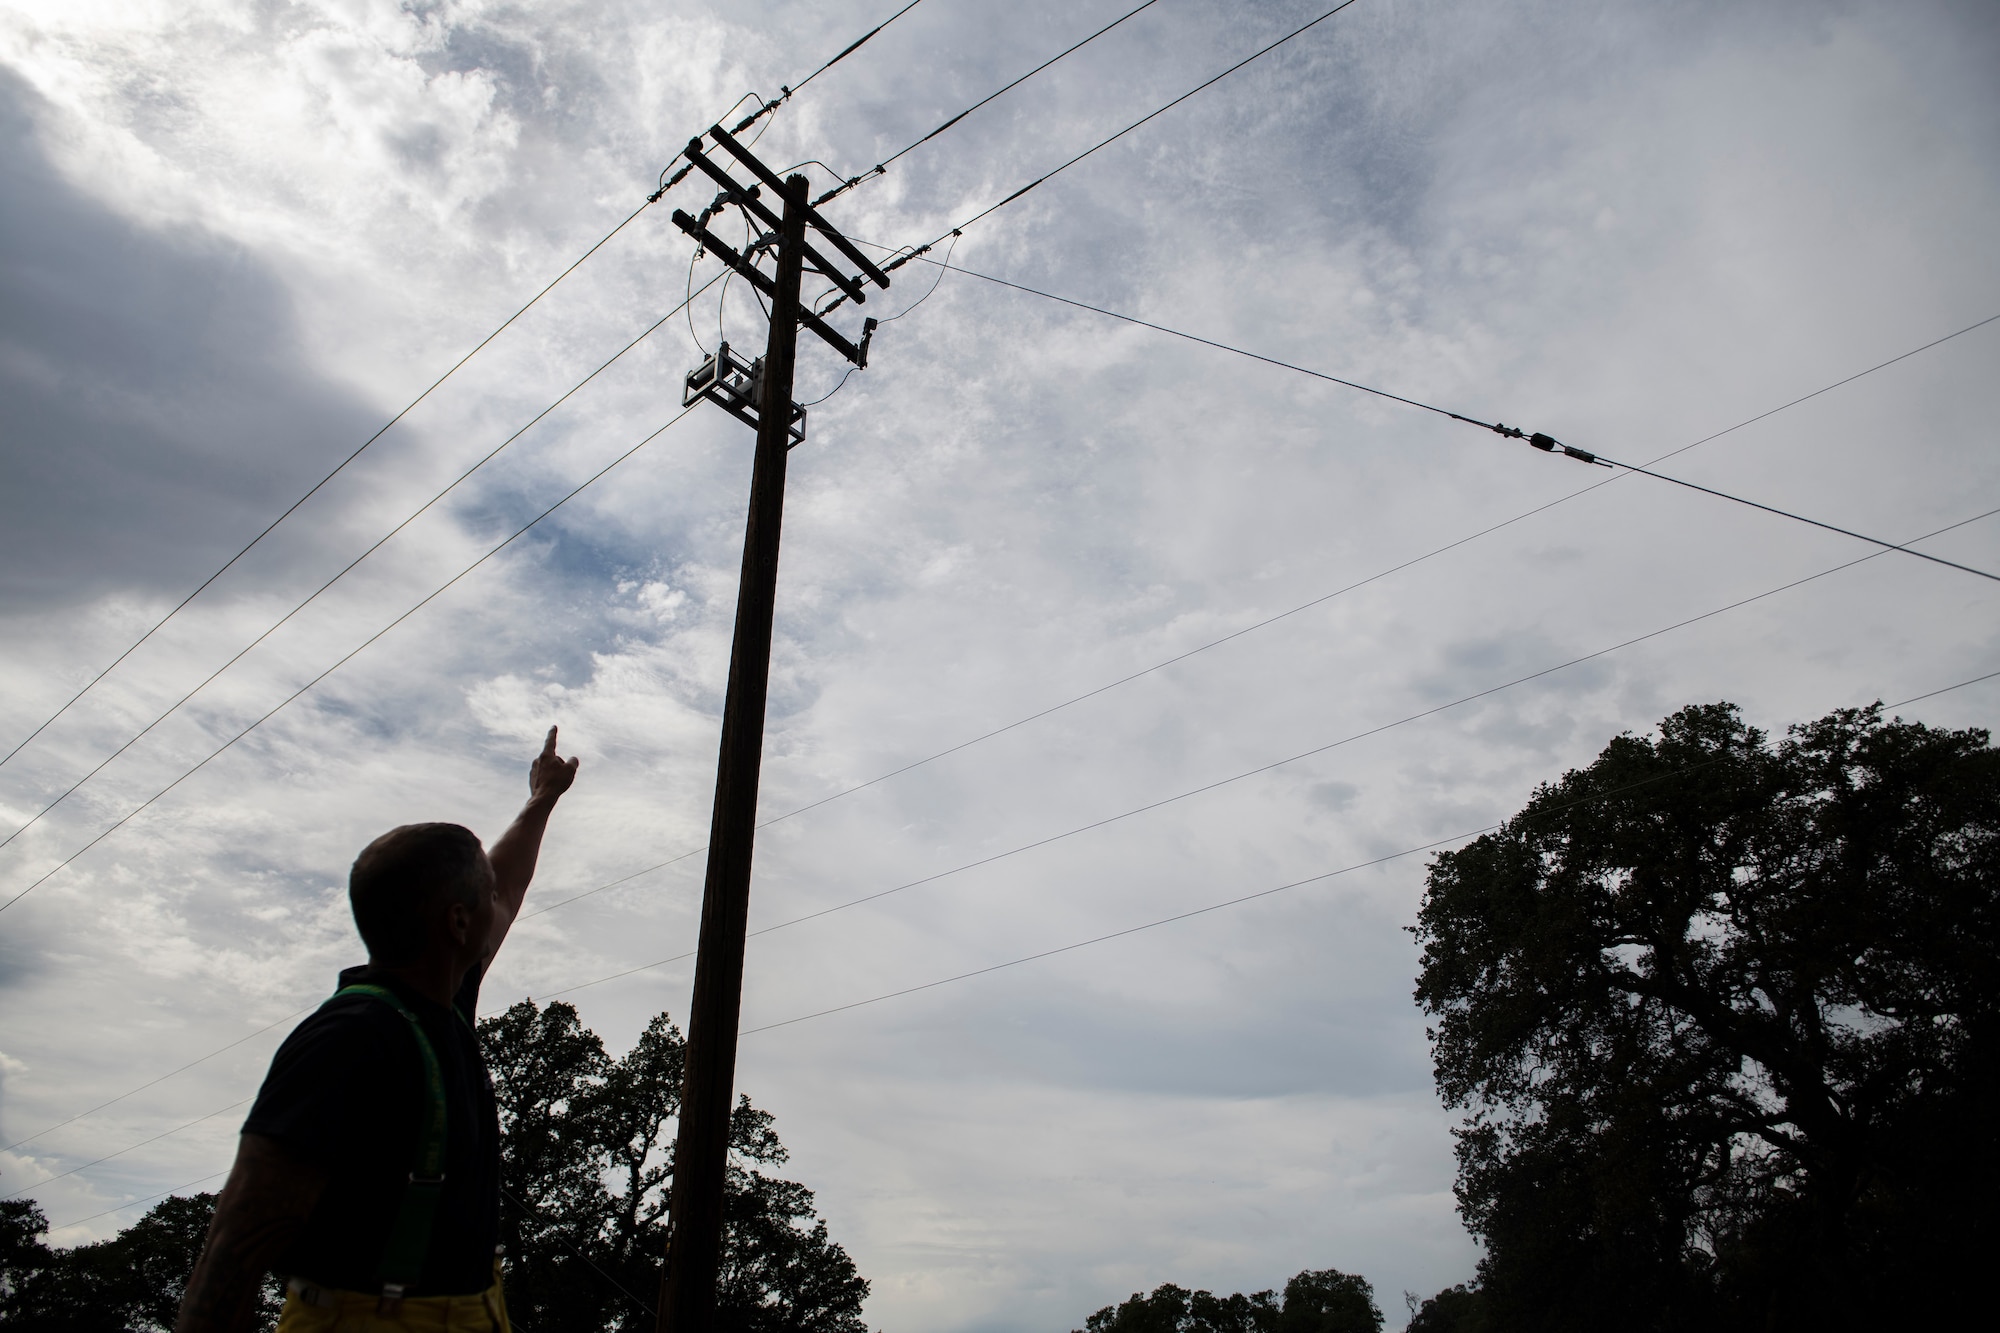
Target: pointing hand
(550, 775)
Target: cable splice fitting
(1511, 432)
(669, 182)
(895, 264)
(1545, 443)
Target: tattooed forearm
(267, 1199)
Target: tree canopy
(1315, 1301)
(587, 1166)
(1722, 1014)
(131, 1283)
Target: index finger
(549, 745)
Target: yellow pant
(325, 1310)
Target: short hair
(401, 880)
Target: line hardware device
(736, 388)
(724, 378)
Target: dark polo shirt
(345, 1092)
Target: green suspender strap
(410, 1238)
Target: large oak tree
(1721, 1012)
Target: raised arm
(514, 853)
(268, 1198)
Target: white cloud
(1630, 228)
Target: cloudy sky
(239, 236)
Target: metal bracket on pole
(737, 388)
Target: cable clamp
(897, 263)
(1511, 432)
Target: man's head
(420, 888)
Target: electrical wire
(1160, 921)
(842, 383)
(850, 49)
(296, 1013)
(1146, 671)
(1796, 517)
(1543, 442)
(291, 508)
(1182, 916)
(764, 109)
(427, 599)
(586, 1258)
(1219, 783)
(341, 574)
(883, 166)
(134, 1203)
(1106, 143)
(1270, 620)
(942, 267)
(1282, 888)
(1216, 907)
(688, 303)
(99, 1161)
(924, 249)
(1918, 698)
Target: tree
(1459, 1309)
(1329, 1301)
(1725, 1018)
(131, 1283)
(1316, 1301)
(587, 1168)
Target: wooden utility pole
(701, 1151)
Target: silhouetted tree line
(1724, 1016)
(132, 1282)
(1315, 1301)
(586, 1165)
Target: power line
(665, 185)
(1918, 698)
(428, 598)
(883, 166)
(134, 1203)
(349, 568)
(924, 249)
(581, 1255)
(289, 509)
(1105, 143)
(1783, 513)
(1290, 759)
(1171, 661)
(1540, 441)
(296, 1013)
(846, 51)
(1270, 620)
(1179, 916)
(1216, 907)
(128, 1148)
(912, 989)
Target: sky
(240, 236)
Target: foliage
(1459, 1309)
(587, 1166)
(1315, 1301)
(131, 1283)
(1725, 1017)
